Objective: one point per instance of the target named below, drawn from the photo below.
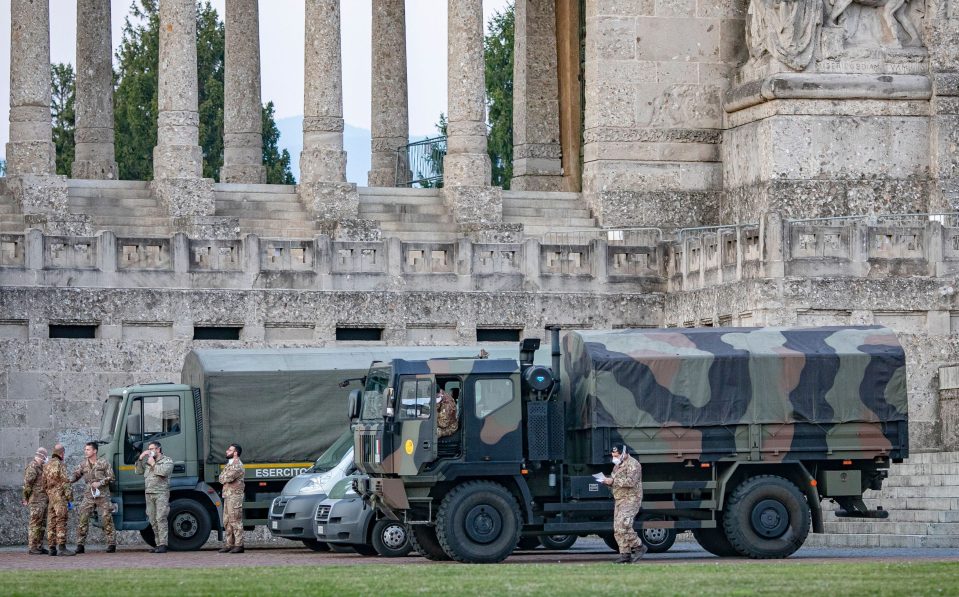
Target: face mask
(46, 460)
(617, 459)
(94, 492)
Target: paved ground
(586, 550)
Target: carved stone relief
(785, 30)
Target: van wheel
(558, 542)
(423, 539)
(479, 523)
(189, 525)
(391, 539)
(527, 542)
(315, 545)
(767, 517)
(657, 540)
(363, 549)
(148, 536)
(341, 548)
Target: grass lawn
(827, 580)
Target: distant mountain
(356, 142)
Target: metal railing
(420, 164)
(645, 236)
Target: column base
(476, 205)
(658, 209)
(551, 183)
(243, 174)
(94, 170)
(330, 201)
(25, 158)
(382, 177)
(185, 196)
(39, 193)
(321, 164)
(467, 170)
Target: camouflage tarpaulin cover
(731, 376)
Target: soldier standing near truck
(36, 499)
(233, 491)
(97, 474)
(156, 480)
(56, 484)
(446, 421)
(627, 488)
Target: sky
(281, 55)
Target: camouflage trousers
(38, 519)
(624, 515)
(233, 520)
(104, 509)
(57, 522)
(158, 508)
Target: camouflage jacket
(628, 479)
(33, 482)
(231, 477)
(98, 471)
(56, 481)
(156, 477)
(446, 420)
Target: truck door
(152, 418)
(416, 416)
(493, 413)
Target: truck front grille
(322, 513)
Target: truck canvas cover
(700, 377)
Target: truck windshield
(108, 420)
(334, 454)
(374, 395)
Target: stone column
(178, 158)
(466, 168)
(242, 111)
(942, 33)
(95, 156)
(537, 154)
(323, 187)
(30, 151)
(390, 119)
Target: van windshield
(334, 454)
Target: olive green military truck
(742, 433)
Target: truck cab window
(416, 398)
(152, 416)
(491, 395)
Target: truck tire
(315, 545)
(610, 541)
(363, 549)
(391, 539)
(341, 548)
(423, 539)
(189, 525)
(148, 536)
(715, 542)
(527, 542)
(479, 523)
(558, 542)
(767, 517)
(657, 540)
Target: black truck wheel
(527, 542)
(423, 539)
(715, 542)
(610, 541)
(148, 537)
(341, 548)
(657, 540)
(315, 545)
(390, 538)
(767, 517)
(363, 549)
(558, 542)
(189, 525)
(478, 523)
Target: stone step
(551, 223)
(80, 183)
(263, 214)
(104, 222)
(540, 196)
(421, 237)
(545, 212)
(401, 200)
(106, 202)
(267, 224)
(134, 231)
(905, 516)
(931, 480)
(372, 210)
(924, 468)
(119, 210)
(279, 198)
(8, 208)
(943, 491)
(412, 218)
(418, 226)
(284, 205)
(915, 503)
(544, 204)
(891, 527)
(109, 193)
(870, 540)
(365, 192)
(268, 189)
(932, 458)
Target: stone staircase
(411, 215)
(125, 207)
(541, 213)
(11, 220)
(267, 210)
(922, 497)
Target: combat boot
(160, 549)
(623, 558)
(111, 548)
(237, 549)
(638, 553)
(225, 549)
(81, 548)
(63, 551)
(53, 550)
(37, 551)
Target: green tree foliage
(498, 50)
(63, 115)
(277, 162)
(135, 97)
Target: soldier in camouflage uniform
(36, 499)
(156, 469)
(446, 421)
(231, 477)
(627, 486)
(97, 473)
(56, 484)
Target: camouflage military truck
(742, 432)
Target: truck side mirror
(354, 404)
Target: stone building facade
(677, 163)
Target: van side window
(416, 398)
(491, 395)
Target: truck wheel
(715, 542)
(391, 539)
(767, 517)
(341, 548)
(316, 545)
(558, 542)
(478, 523)
(528, 542)
(657, 540)
(363, 549)
(610, 541)
(423, 539)
(189, 525)
(148, 537)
